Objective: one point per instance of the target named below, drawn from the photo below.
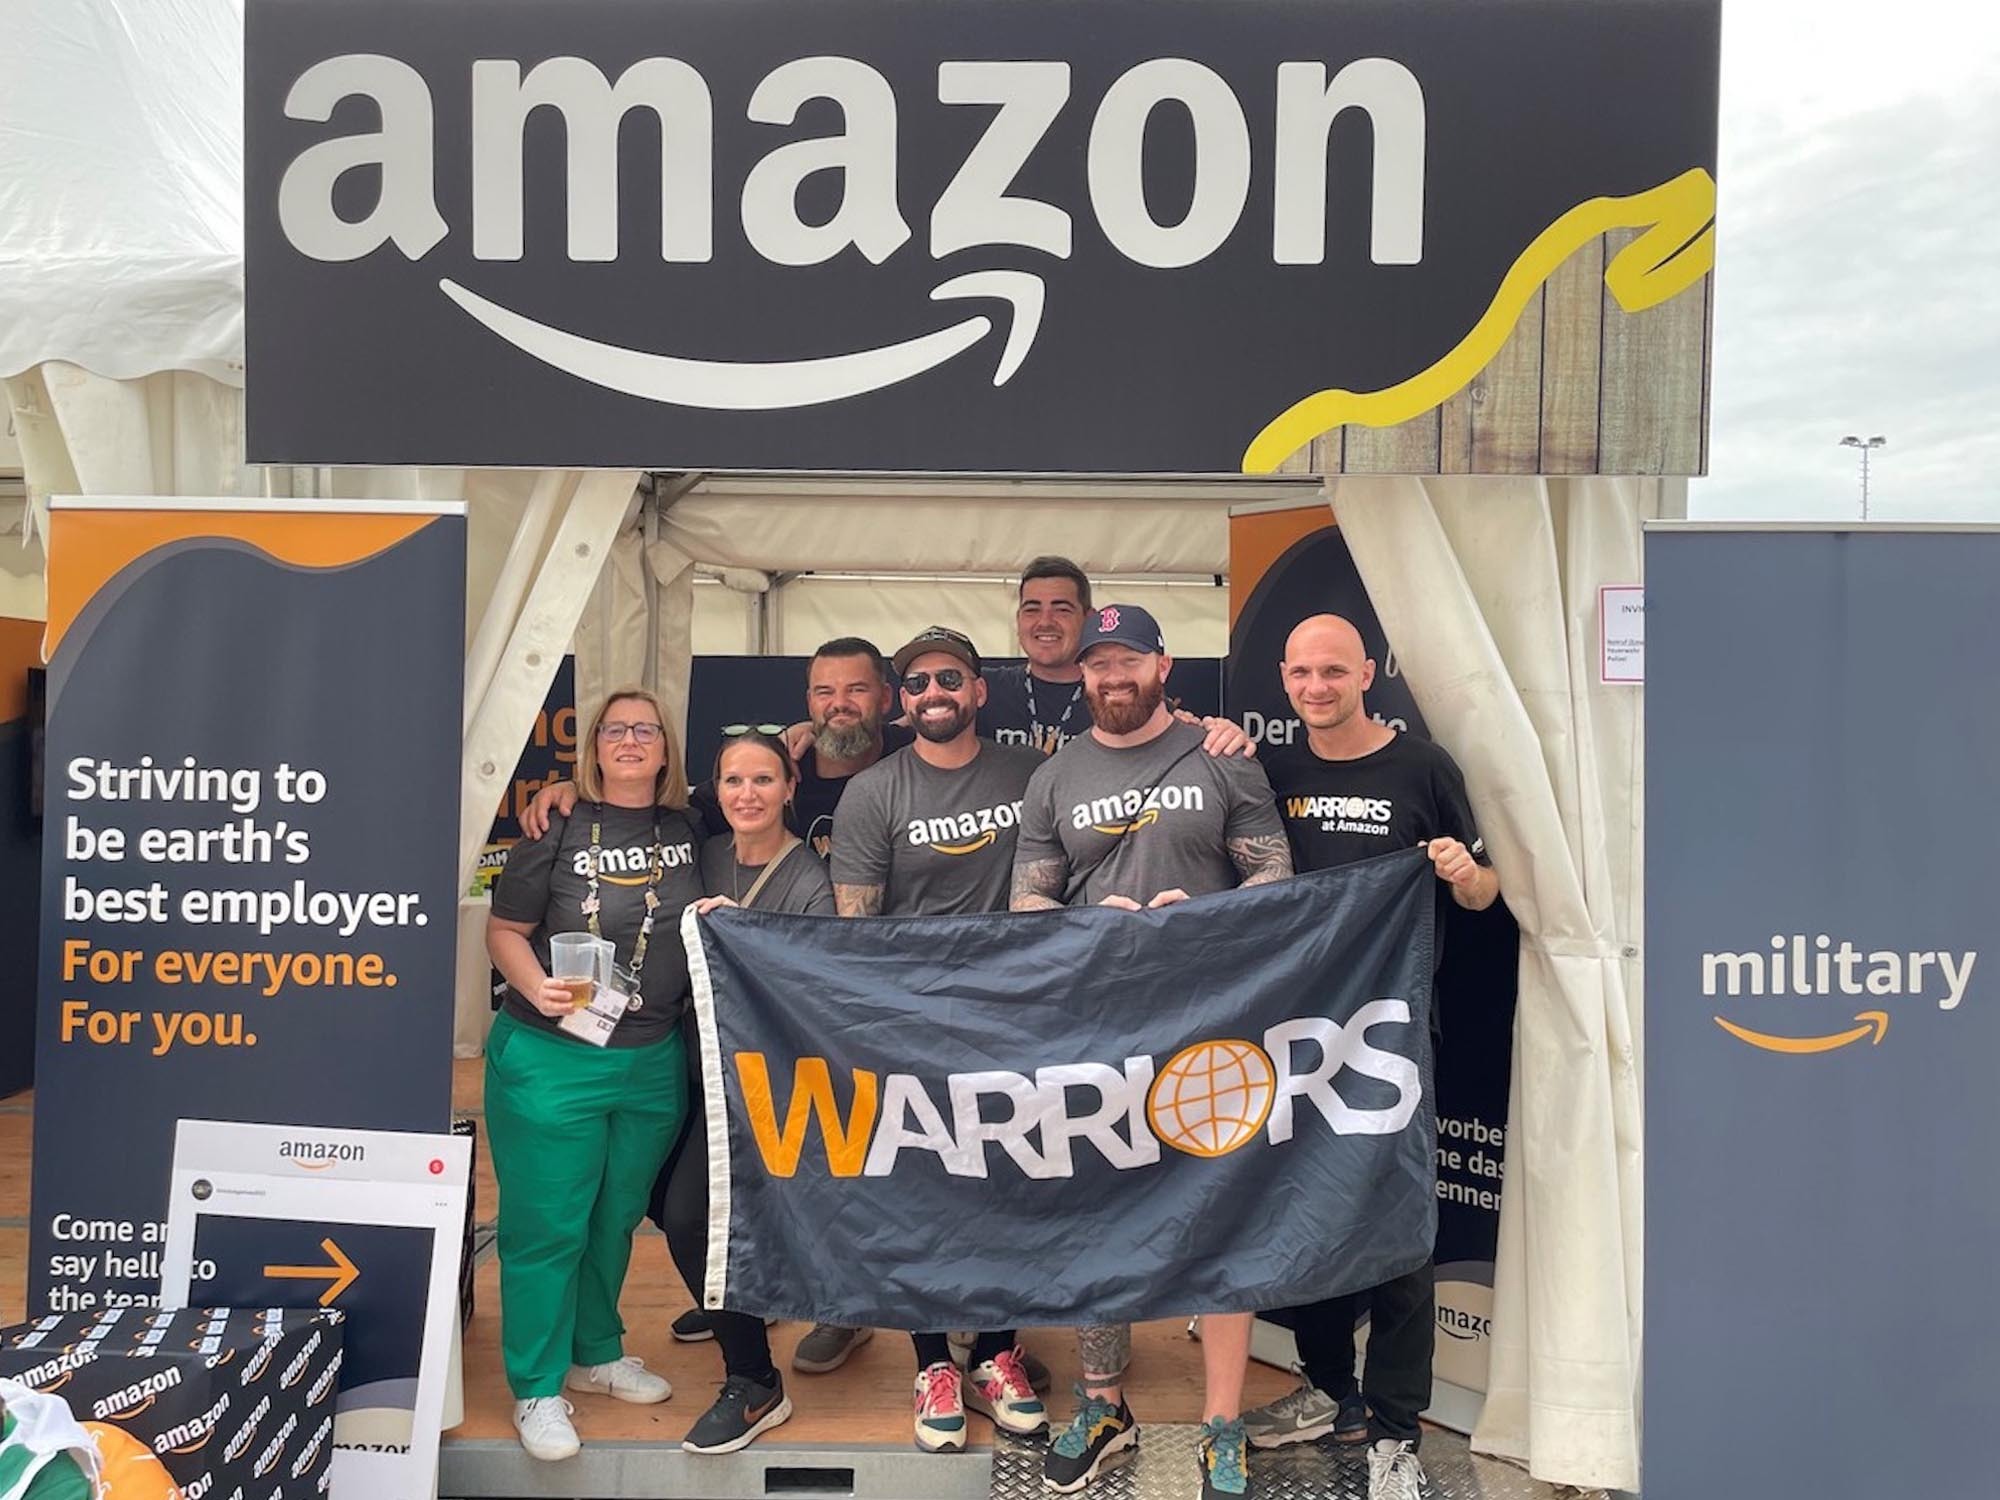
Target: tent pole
(510, 588)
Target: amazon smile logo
(633, 866)
(1259, 173)
(960, 834)
(1820, 967)
(1128, 812)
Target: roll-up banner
(250, 841)
(1822, 800)
(1285, 565)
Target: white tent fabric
(121, 199)
(1489, 590)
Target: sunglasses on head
(737, 731)
(613, 730)
(951, 679)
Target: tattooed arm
(1260, 858)
(858, 900)
(1038, 885)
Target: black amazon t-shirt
(545, 882)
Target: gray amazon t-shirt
(799, 884)
(1150, 818)
(937, 841)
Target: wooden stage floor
(865, 1402)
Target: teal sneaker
(1099, 1436)
(1225, 1460)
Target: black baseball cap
(1124, 624)
(937, 638)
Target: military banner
(1072, 236)
(1089, 1114)
(1822, 792)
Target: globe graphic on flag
(1212, 1097)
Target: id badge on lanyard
(610, 999)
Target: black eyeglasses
(948, 678)
(737, 731)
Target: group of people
(812, 818)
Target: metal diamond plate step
(1166, 1470)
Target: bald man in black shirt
(1355, 789)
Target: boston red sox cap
(1124, 624)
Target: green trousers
(578, 1134)
(30, 1470)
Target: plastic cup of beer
(573, 963)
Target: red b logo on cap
(1107, 618)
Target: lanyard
(653, 875)
(1059, 732)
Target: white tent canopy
(121, 353)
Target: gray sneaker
(826, 1347)
(1298, 1416)
(1393, 1471)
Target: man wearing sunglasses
(930, 831)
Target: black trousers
(680, 1208)
(1402, 1328)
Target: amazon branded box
(215, 1403)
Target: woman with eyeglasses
(587, 1084)
(761, 865)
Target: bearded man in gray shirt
(1133, 815)
(930, 831)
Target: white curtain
(1488, 590)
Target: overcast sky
(1858, 261)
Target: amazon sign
(1822, 794)
(1086, 236)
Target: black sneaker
(1351, 1426)
(693, 1327)
(1225, 1461)
(742, 1410)
(1099, 1436)
(1039, 1379)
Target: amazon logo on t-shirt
(1128, 811)
(966, 832)
(632, 864)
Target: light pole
(1866, 445)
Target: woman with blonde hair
(583, 1101)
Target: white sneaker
(628, 1379)
(940, 1409)
(543, 1422)
(998, 1388)
(1393, 1471)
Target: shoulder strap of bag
(750, 896)
(1106, 859)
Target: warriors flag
(1086, 1115)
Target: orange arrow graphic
(341, 1273)
(1876, 1021)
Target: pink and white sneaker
(940, 1409)
(998, 1388)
